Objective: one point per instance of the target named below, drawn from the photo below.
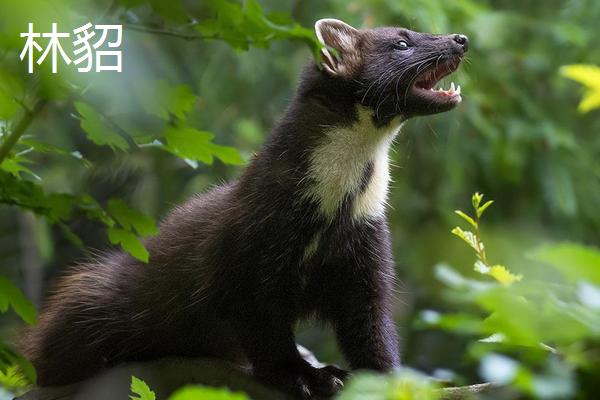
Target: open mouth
(428, 79)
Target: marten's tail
(56, 355)
(69, 342)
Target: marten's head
(392, 70)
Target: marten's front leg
(360, 306)
(368, 337)
(269, 344)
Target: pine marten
(302, 233)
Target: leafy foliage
(402, 385)
(15, 367)
(244, 25)
(140, 390)
(12, 379)
(15, 371)
(206, 393)
(498, 272)
(11, 295)
(554, 321)
(176, 100)
(188, 79)
(574, 261)
(26, 148)
(130, 220)
(589, 76)
(191, 144)
(169, 102)
(97, 129)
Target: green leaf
(97, 130)
(14, 166)
(576, 262)
(466, 218)
(10, 87)
(227, 23)
(129, 242)
(131, 219)
(589, 76)
(476, 200)
(46, 148)
(207, 393)
(25, 194)
(180, 100)
(26, 368)
(93, 210)
(21, 368)
(242, 26)
(171, 10)
(140, 390)
(11, 378)
(531, 320)
(60, 206)
(484, 207)
(402, 385)
(456, 322)
(512, 316)
(186, 142)
(11, 295)
(229, 155)
(503, 275)
(56, 207)
(8, 106)
(498, 272)
(590, 101)
(162, 99)
(468, 237)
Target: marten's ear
(342, 37)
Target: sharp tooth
(458, 89)
(452, 88)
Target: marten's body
(301, 233)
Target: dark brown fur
(227, 277)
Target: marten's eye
(401, 45)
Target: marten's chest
(348, 170)
(331, 214)
(349, 178)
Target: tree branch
(464, 392)
(20, 127)
(120, 131)
(166, 32)
(167, 375)
(180, 35)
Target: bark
(166, 376)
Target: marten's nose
(462, 41)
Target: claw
(338, 383)
(306, 394)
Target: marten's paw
(308, 382)
(336, 371)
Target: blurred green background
(517, 136)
